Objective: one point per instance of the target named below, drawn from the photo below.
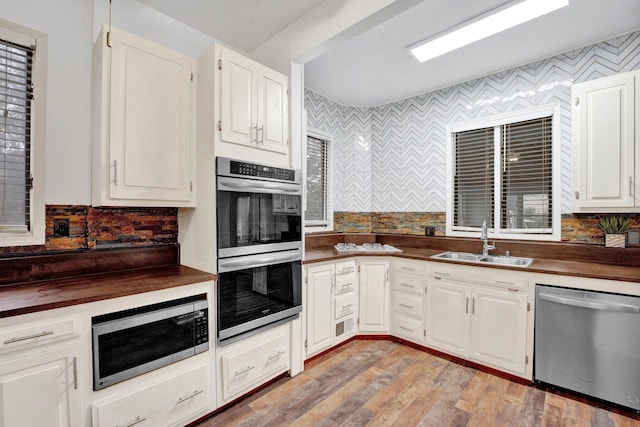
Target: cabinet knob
(577, 195)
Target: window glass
(15, 136)
(504, 174)
(318, 212)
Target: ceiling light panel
(485, 26)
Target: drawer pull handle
(504, 282)
(244, 371)
(346, 271)
(408, 268)
(441, 274)
(184, 399)
(406, 329)
(407, 285)
(138, 420)
(513, 289)
(406, 305)
(275, 356)
(347, 307)
(28, 337)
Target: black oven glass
(247, 295)
(246, 218)
(137, 345)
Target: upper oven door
(256, 216)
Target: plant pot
(614, 240)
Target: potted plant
(614, 228)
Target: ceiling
(376, 67)
(243, 24)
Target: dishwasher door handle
(587, 303)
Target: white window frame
(552, 110)
(27, 37)
(316, 226)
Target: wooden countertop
(568, 268)
(29, 297)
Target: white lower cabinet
(477, 314)
(246, 364)
(499, 328)
(319, 280)
(41, 390)
(448, 317)
(172, 401)
(374, 296)
(408, 303)
(331, 304)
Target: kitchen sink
(485, 259)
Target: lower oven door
(258, 291)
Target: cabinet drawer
(345, 305)
(409, 328)
(171, 402)
(36, 333)
(346, 283)
(410, 267)
(411, 305)
(245, 368)
(409, 283)
(345, 267)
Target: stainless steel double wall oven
(259, 246)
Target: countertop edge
(539, 266)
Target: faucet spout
(486, 246)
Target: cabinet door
(239, 98)
(40, 391)
(448, 317)
(499, 328)
(150, 121)
(603, 143)
(319, 305)
(374, 296)
(273, 111)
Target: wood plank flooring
(382, 383)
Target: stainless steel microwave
(131, 342)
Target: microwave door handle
(230, 265)
(231, 184)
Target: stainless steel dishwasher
(589, 342)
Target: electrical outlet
(61, 227)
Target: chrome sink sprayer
(486, 246)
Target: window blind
(317, 209)
(473, 178)
(527, 180)
(16, 64)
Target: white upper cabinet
(144, 114)
(606, 144)
(249, 103)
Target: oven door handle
(257, 261)
(253, 186)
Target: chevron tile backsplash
(391, 158)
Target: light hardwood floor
(382, 383)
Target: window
(504, 171)
(21, 137)
(318, 210)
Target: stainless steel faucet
(486, 246)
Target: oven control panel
(261, 171)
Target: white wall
(68, 26)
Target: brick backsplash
(575, 228)
(94, 228)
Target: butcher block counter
(578, 260)
(30, 284)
